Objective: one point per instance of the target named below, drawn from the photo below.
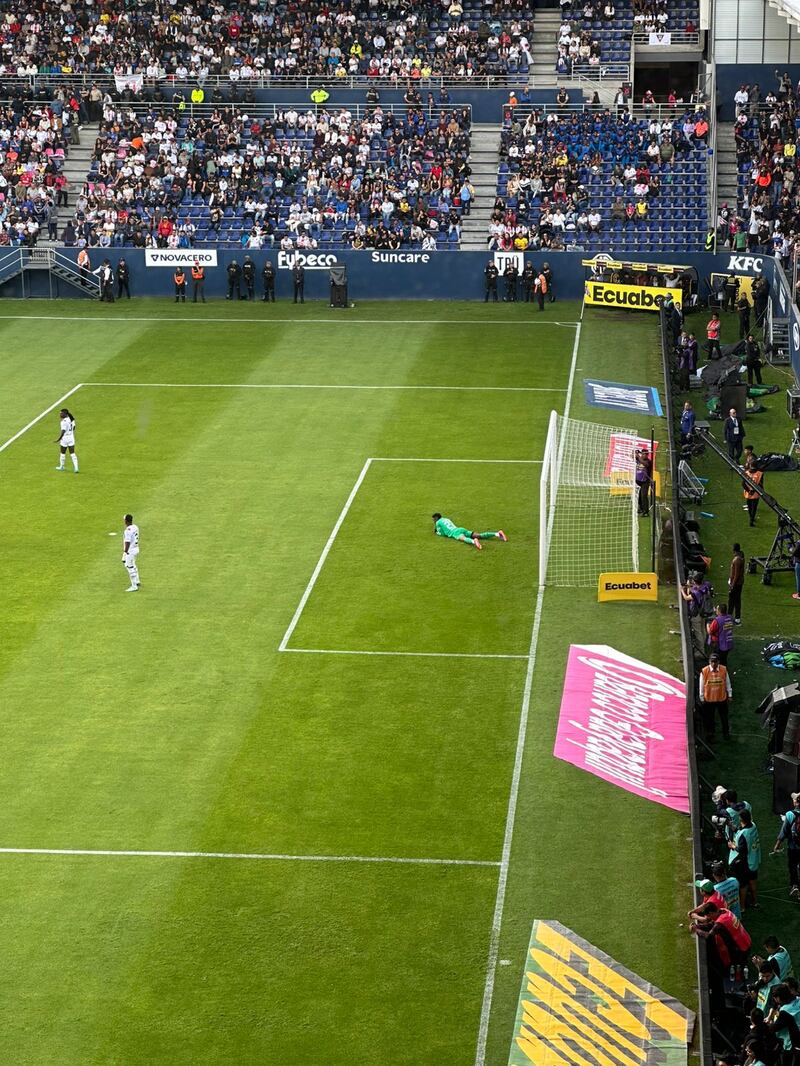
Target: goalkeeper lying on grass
(443, 527)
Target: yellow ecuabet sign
(629, 297)
(627, 587)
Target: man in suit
(734, 435)
(299, 280)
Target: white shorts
(68, 441)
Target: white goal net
(588, 520)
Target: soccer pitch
(262, 810)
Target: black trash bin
(338, 275)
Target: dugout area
(174, 730)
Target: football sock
(61, 463)
(489, 535)
(75, 461)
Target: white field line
(321, 561)
(410, 654)
(370, 388)
(38, 418)
(251, 856)
(502, 883)
(291, 321)
(416, 459)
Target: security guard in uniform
(528, 279)
(548, 277)
(743, 310)
(179, 278)
(123, 279)
(268, 277)
(249, 276)
(198, 282)
(491, 273)
(234, 280)
(510, 277)
(299, 279)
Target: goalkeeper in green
(443, 527)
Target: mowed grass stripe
(241, 964)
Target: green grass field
(388, 729)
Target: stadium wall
(731, 75)
(375, 275)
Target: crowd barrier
(396, 275)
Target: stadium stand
(460, 38)
(33, 145)
(364, 178)
(598, 179)
(766, 216)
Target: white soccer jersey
(68, 431)
(132, 538)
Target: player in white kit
(130, 552)
(66, 439)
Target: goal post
(588, 514)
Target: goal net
(588, 515)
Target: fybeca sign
(625, 721)
(619, 586)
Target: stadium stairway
(79, 160)
(727, 190)
(544, 47)
(484, 160)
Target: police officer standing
(490, 273)
(743, 310)
(198, 282)
(528, 279)
(234, 280)
(123, 279)
(752, 360)
(179, 278)
(268, 276)
(760, 292)
(730, 289)
(106, 275)
(510, 277)
(249, 276)
(299, 279)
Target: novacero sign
(167, 257)
(629, 297)
(310, 260)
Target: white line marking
(416, 459)
(502, 883)
(413, 654)
(38, 418)
(524, 323)
(252, 856)
(320, 563)
(376, 388)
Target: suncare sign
(629, 297)
(620, 586)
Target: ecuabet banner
(625, 721)
(629, 297)
(630, 586)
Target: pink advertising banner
(625, 721)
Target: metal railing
(85, 80)
(17, 260)
(271, 110)
(712, 157)
(603, 72)
(677, 39)
(637, 111)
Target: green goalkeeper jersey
(446, 528)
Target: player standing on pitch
(130, 552)
(66, 439)
(443, 527)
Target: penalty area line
(374, 388)
(38, 418)
(410, 654)
(249, 856)
(321, 561)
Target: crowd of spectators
(194, 41)
(766, 217)
(566, 177)
(297, 179)
(33, 144)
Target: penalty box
(384, 584)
